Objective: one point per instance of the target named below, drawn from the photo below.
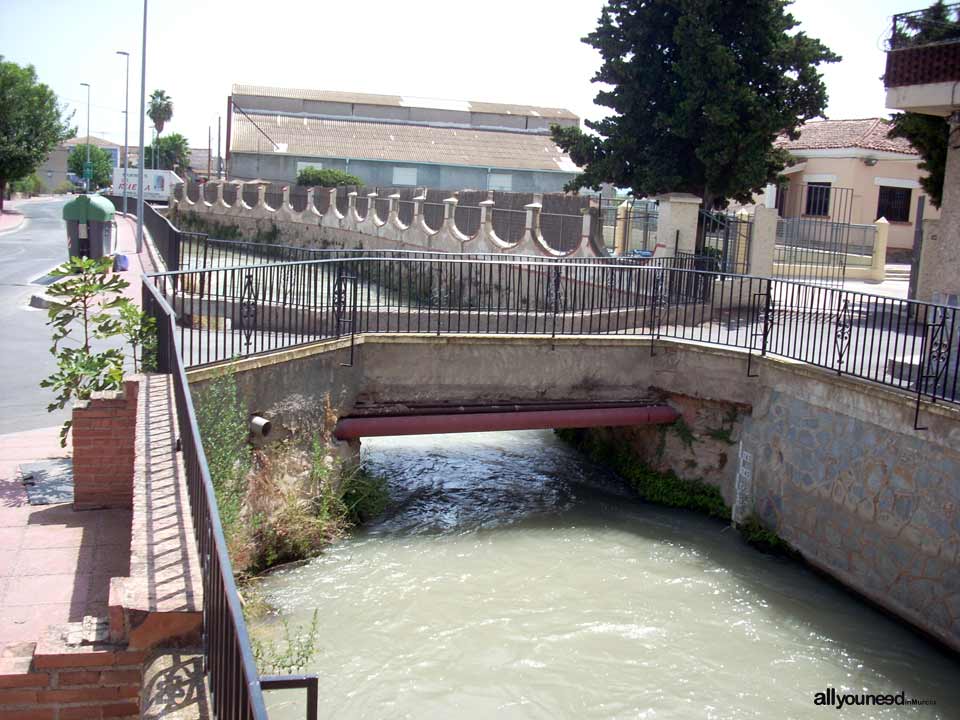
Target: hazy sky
(520, 51)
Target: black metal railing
(936, 24)
(166, 238)
(238, 311)
(727, 238)
(233, 680)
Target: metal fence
(936, 24)
(726, 238)
(232, 678)
(628, 223)
(166, 238)
(900, 343)
(819, 252)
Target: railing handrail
(257, 707)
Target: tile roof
(314, 137)
(865, 134)
(92, 140)
(402, 101)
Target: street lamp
(143, 99)
(126, 122)
(86, 180)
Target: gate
(725, 239)
(813, 232)
(628, 224)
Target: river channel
(511, 578)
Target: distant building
(391, 140)
(880, 171)
(54, 171)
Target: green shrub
(64, 188)
(222, 420)
(754, 532)
(656, 487)
(315, 177)
(30, 185)
(292, 654)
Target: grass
(754, 532)
(656, 487)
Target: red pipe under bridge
(413, 419)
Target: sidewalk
(57, 563)
(10, 219)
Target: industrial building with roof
(392, 140)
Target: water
(513, 579)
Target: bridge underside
(425, 419)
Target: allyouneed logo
(831, 698)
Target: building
(392, 140)
(922, 74)
(850, 168)
(54, 170)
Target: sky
(513, 51)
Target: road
(26, 254)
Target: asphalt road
(25, 255)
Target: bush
(30, 185)
(64, 188)
(314, 177)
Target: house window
(404, 176)
(894, 204)
(500, 181)
(818, 199)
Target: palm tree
(161, 109)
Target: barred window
(818, 199)
(894, 204)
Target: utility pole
(86, 180)
(143, 98)
(209, 151)
(219, 158)
(126, 123)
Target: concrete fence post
(586, 226)
(261, 197)
(219, 201)
(878, 264)
(352, 206)
(486, 216)
(532, 221)
(394, 211)
(285, 203)
(332, 203)
(763, 242)
(418, 202)
(310, 209)
(677, 221)
(741, 263)
(621, 235)
(371, 207)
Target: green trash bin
(90, 226)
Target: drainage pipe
(358, 427)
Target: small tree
(31, 123)
(699, 90)
(85, 297)
(315, 177)
(171, 151)
(99, 158)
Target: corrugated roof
(402, 101)
(866, 134)
(314, 137)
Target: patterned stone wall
(876, 505)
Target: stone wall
(832, 464)
(310, 228)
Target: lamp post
(86, 180)
(143, 98)
(126, 122)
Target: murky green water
(512, 579)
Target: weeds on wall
(292, 653)
(656, 487)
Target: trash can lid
(87, 208)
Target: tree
(160, 110)
(99, 158)
(699, 89)
(172, 152)
(327, 177)
(929, 134)
(31, 123)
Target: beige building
(850, 171)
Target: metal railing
(238, 311)
(167, 239)
(937, 24)
(727, 238)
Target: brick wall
(104, 429)
(82, 686)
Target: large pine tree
(699, 90)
